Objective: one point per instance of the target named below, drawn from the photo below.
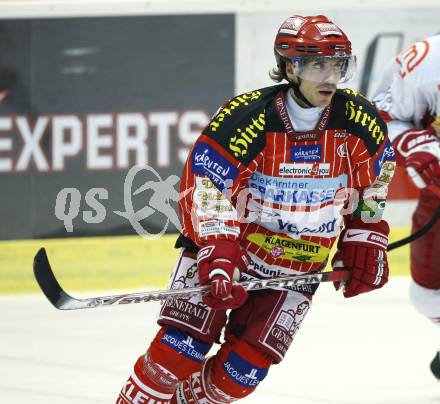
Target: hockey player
(409, 98)
(266, 191)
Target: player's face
(319, 81)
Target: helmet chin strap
(299, 94)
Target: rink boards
(92, 263)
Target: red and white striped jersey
(282, 194)
(409, 92)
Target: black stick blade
(47, 281)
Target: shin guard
(149, 382)
(173, 355)
(226, 377)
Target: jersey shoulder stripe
(353, 112)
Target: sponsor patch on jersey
(212, 227)
(306, 154)
(291, 192)
(322, 169)
(322, 222)
(365, 118)
(287, 248)
(195, 315)
(303, 197)
(184, 344)
(325, 229)
(209, 162)
(386, 155)
(282, 332)
(264, 270)
(242, 372)
(243, 137)
(340, 135)
(228, 110)
(210, 201)
(385, 176)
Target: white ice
(370, 349)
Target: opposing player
(267, 194)
(409, 98)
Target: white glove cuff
(219, 271)
(366, 237)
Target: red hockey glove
(419, 152)
(362, 249)
(220, 264)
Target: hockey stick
(417, 234)
(421, 232)
(63, 301)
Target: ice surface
(370, 349)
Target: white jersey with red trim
(280, 193)
(409, 92)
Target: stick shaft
(63, 301)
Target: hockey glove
(220, 264)
(362, 250)
(419, 152)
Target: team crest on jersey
(342, 150)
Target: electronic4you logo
(321, 169)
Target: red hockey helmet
(301, 39)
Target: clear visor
(325, 69)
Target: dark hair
(276, 74)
